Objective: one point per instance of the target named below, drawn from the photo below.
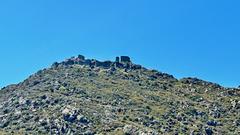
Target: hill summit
(87, 96)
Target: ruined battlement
(125, 59)
(120, 62)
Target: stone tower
(117, 60)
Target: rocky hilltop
(87, 96)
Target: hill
(87, 96)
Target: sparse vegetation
(74, 97)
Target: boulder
(213, 123)
(209, 131)
(4, 124)
(69, 115)
(83, 120)
(237, 122)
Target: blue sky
(183, 38)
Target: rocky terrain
(87, 97)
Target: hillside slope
(83, 96)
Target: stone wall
(125, 59)
(120, 62)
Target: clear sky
(197, 38)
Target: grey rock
(213, 123)
(209, 131)
(82, 119)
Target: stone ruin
(81, 57)
(120, 62)
(125, 59)
(117, 60)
